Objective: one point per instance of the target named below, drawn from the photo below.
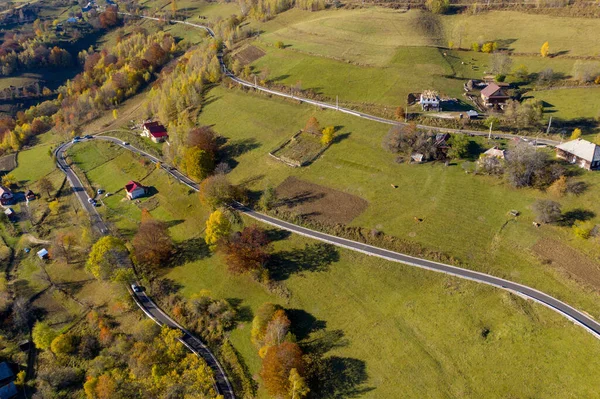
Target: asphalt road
(348, 111)
(524, 291)
(144, 302)
(191, 342)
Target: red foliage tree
(278, 362)
(152, 243)
(248, 250)
(204, 138)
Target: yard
(570, 103)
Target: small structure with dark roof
(30, 195)
(494, 96)
(135, 190)
(8, 391)
(6, 196)
(155, 131)
(6, 373)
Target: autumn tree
(217, 228)
(63, 344)
(216, 191)
(545, 50)
(198, 163)
(407, 139)
(63, 244)
(277, 329)
(262, 317)
(437, 6)
(43, 335)
(46, 185)
(400, 113)
(247, 250)
(268, 199)
(327, 135)
(9, 180)
(298, 386)
(204, 138)
(576, 134)
(54, 207)
(312, 126)
(277, 365)
(152, 243)
(559, 187)
(106, 256)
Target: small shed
(8, 391)
(10, 214)
(43, 253)
(30, 195)
(6, 374)
(472, 114)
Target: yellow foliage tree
(54, 207)
(545, 50)
(576, 134)
(559, 187)
(327, 136)
(217, 227)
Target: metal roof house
(494, 96)
(156, 131)
(580, 152)
(134, 190)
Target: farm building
(134, 190)
(430, 101)
(495, 152)
(155, 131)
(43, 253)
(494, 96)
(580, 152)
(6, 196)
(30, 195)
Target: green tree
(459, 146)
(216, 191)
(43, 335)
(217, 227)
(298, 386)
(107, 255)
(327, 136)
(268, 199)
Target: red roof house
(493, 95)
(134, 190)
(156, 131)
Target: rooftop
(582, 149)
(6, 372)
(132, 185)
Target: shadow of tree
(239, 147)
(303, 323)
(300, 198)
(189, 251)
(569, 218)
(277, 234)
(243, 313)
(313, 257)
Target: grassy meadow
(570, 103)
(402, 330)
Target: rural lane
(196, 346)
(578, 317)
(324, 105)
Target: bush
(583, 229)
(547, 211)
(279, 44)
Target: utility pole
(549, 123)
(490, 133)
(406, 111)
(337, 104)
(255, 85)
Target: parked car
(125, 143)
(88, 136)
(92, 201)
(76, 139)
(99, 191)
(136, 288)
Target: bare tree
(547, 211)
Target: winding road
(334, 107)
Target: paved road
(190, 341)
(524, 291)
(144, 302)
(325, 105)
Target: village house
(6, 196)
(155, 131)
(495, 152)
(494, 96)
(135, 190)
(580, 152)
(8, 390)
(430, 101)
(30, 195)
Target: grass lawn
(464, 215)
(370, 35)
(33, 164)
(570, 103)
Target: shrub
(583, 229)
(279, 44)
(547, 211)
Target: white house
(134, 190)
(430, 101)
(581, 152)
(155, 131)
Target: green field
(402, 330)
(570, 103)
(371, 35)
(463, 214)
(33, 164)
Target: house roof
(5, 371)
(42, 252)
(5, 190)
(154, 127)
(8, 391)
(491, 90)
(582, 149)
(8, 211)
(495, 152)
(472, 112)
(132, 185)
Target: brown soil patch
(319, 203)
(570, 261)
(8, 162)
(249, 54)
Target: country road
(578, 317)
(325, 105)
(196, 346)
